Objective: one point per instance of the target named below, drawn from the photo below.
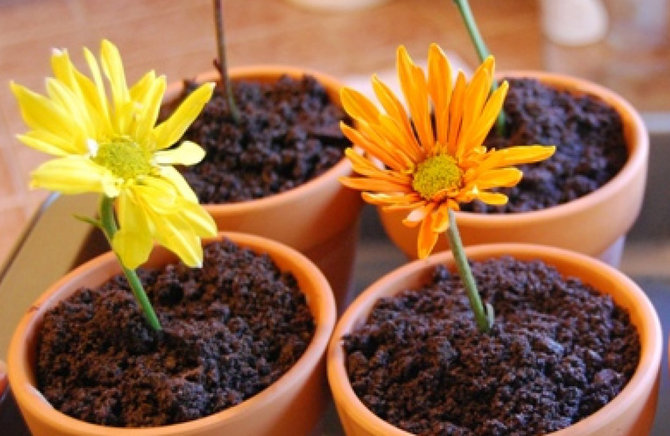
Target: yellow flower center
(436, 174)
(124, 158)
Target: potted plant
(630, 412)
(291, 194)
(458, 354)
(570, 200)
(109, 144)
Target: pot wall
(293, 404)
(594, 224)
(318, 218)
(631, 413)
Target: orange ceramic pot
(630, 413)
(595, 224)
(318, 218)
(293, 404)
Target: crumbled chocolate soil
(558, 352)
(230, 329)
(288, 134)
(587, 132)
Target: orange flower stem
(221, 63)
(109, 228)
(482, 51)
(483, 316)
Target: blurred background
(622, 44)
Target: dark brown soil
(558, 352)
(587, 132)
(289, 133)
(230, 329)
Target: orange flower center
(437, 174)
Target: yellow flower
(111, 145)
(431, 164)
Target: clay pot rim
(287, 258)
(649, 329)
(272, 72)
(638, 149)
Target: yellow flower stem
(483, 317)
(482, 51)
(109, 228)
(221, 63)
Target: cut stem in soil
(221, 63)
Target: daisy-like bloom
(111, 145)
(431, 163)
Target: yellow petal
(147, 106)
(175, 234)
(74, 175)
(187, 153)
(40, 113)
(197, 218)
(175, 177)
(47, 143)
(112, 66)
(172, 129)
(133, 242)
(97, 95)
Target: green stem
(109, 228)
(221, 63)
(482, 51)
(483, 318)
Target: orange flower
(430, 166)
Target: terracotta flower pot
(631, 412)
(318, 218)
(291, 405)
(595, 224)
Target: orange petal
(378, 151)
(441, 218)
(415, 89)
(492, 198)
(439, 87)
(427, 238)
(489, 115)
(364, 167)
(374, 185)
(419, 214)
(521, 154)
(503, 177)
(358, 106)
(395, 199)
(455, 113)
(396, 111)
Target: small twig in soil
(221, 64)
